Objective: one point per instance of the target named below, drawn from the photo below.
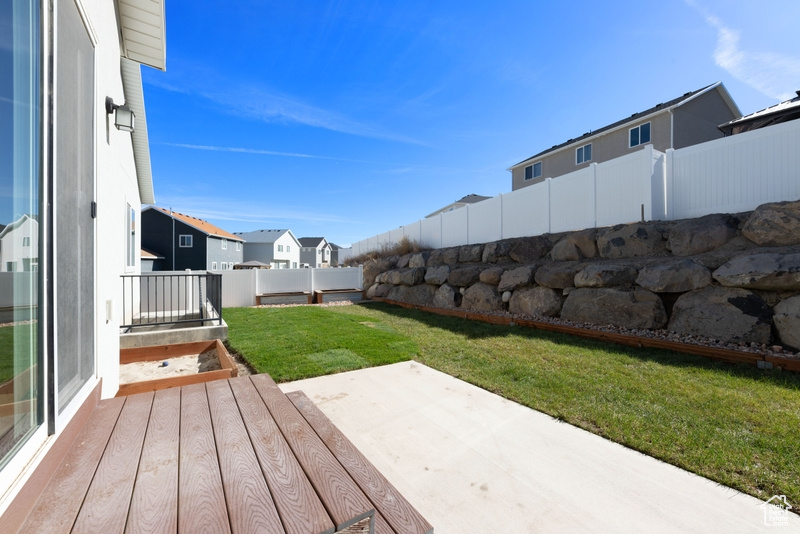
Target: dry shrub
(386, 250)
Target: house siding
(689, 124)
(157, 235)
(219, 255)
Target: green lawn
(731, 423)
(21, 334)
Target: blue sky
(349, 118)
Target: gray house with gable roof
(687, 120)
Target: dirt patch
(130, 373)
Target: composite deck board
(250, 505)
(298, 505)
(60, 501)
(389, 502)
(113, 482)
(154, 505)
(201, 499)
(343, 499)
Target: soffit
(143, 29)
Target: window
(583, 154)
(185, 241)
(533, 171)
(224, 244)
(130, 237)
(280, 248)
(26, 241)
(640, 135)
(288, 248)
(238, 246)
(213, 266)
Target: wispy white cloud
(266, 105)
(264, 152)
(772, 74)
(243, 211)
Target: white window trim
(187, 243)
(224, 244)
(238, 246)
(213, 266)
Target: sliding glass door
(21, 406)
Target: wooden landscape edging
(164, 352)
(728, 355)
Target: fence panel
(572, 201)
(431, 232)
(346, 278)
(413, 231)
(282, 281)
(736, 173)
(486, 220)
(395, 236)
(623, 188)
(238, 288)
(455, 227)
(526, 211)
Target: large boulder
(761, 271)
(535, 301)
(514, 278)
(631, 240)
(437, 275)
(413, 277)
(464, 276)
(529, 249)
(576, 246)
(558, 274)
(421, 295)
(373, 268)
(731, 315)
(482, 297)
(492, 275)
(447, 297)
(674, 277)
(696, 236)
(402, 261)
(394, 277)
(470, 253)
(775, 224)
(420, 259)
(496, 252)
(787, 321)
(605, 275)
(637, 308)
(443, 256)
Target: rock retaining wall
(733, 278)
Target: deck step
(398, 512)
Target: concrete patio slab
(471, 461)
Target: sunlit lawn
(734, 424)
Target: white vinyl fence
(240, 287)
(728, 175)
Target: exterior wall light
(123, 116)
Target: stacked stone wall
(733, 278)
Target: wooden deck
(233, 455)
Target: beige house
(460, 203)
(684, 121)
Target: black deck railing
(153, 299)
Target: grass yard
(731, 423)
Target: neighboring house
(334, 254)
(684, 121)
(19, 245)
(315, 252)
(460, 203)
(279, 249)
(187, 242)
(788, 110)
(151, 261)
(83, 174)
